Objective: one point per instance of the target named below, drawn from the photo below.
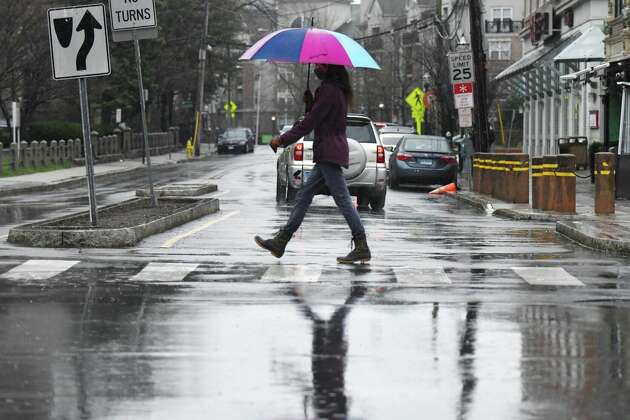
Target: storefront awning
(588, 47)
(546, 54)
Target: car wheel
(281, 191)
(291, 194)
(363, 201)
(393, 180)
(251, 149)
(377, 199)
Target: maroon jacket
(328, 119)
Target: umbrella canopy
(310, 45)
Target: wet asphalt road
(460, 315)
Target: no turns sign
(132, 14)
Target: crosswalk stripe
(422, 276)
(165, 272)
(292, 274)
(38, 269)
(547, 276)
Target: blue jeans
(331, 176)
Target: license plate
(425, 162)
(307, 174)
(230, 147)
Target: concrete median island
(120, 225)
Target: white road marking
(292, 274)
(221, 194)
(218, 174)
(422, 277)
(165, 272)
(547, 276)
(38, 269)
(173, 241)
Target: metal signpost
(79, 49)
(16, 124)
(133, 20)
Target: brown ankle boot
(360, 253)
(275, 245)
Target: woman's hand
(275, 143)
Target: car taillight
(380, 154)
(404, 157)
(298, 152)
(448, 160)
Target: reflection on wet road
(459, 316)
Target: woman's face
(320, 71)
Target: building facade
(559, 95)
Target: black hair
(340, 77)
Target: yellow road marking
(173, 241)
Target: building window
(500, 49)
(502, 13)
(619, 4)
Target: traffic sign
(415, 100)
(230, 107)
(462, 67)
(465, 117)
(129, 15)
(79, 46)
(464, 100)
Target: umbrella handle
(308, 73)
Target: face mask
(320, 73)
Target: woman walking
(327, 116)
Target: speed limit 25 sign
(461, 65)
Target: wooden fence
(121, 144)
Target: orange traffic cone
(450, 188)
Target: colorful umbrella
(312, 46)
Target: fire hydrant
(189, 148)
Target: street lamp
(273, 121)
(381, 107)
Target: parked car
(390, 140)
(236, 140)
(366, 176)
(423, 160)
(401, 129)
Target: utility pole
(228, 112)
(203, 52)
(481, 132)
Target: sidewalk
(67, 178)
(604, 233)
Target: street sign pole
(145, 135)
(87, 149)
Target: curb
(571, 231)
(81, 181)
(476, 202)
(47, 234)
(566, 225)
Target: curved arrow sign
(88, 24)
(78, 42)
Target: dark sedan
(423, 160)
(236, 140)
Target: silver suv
(366, 175)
